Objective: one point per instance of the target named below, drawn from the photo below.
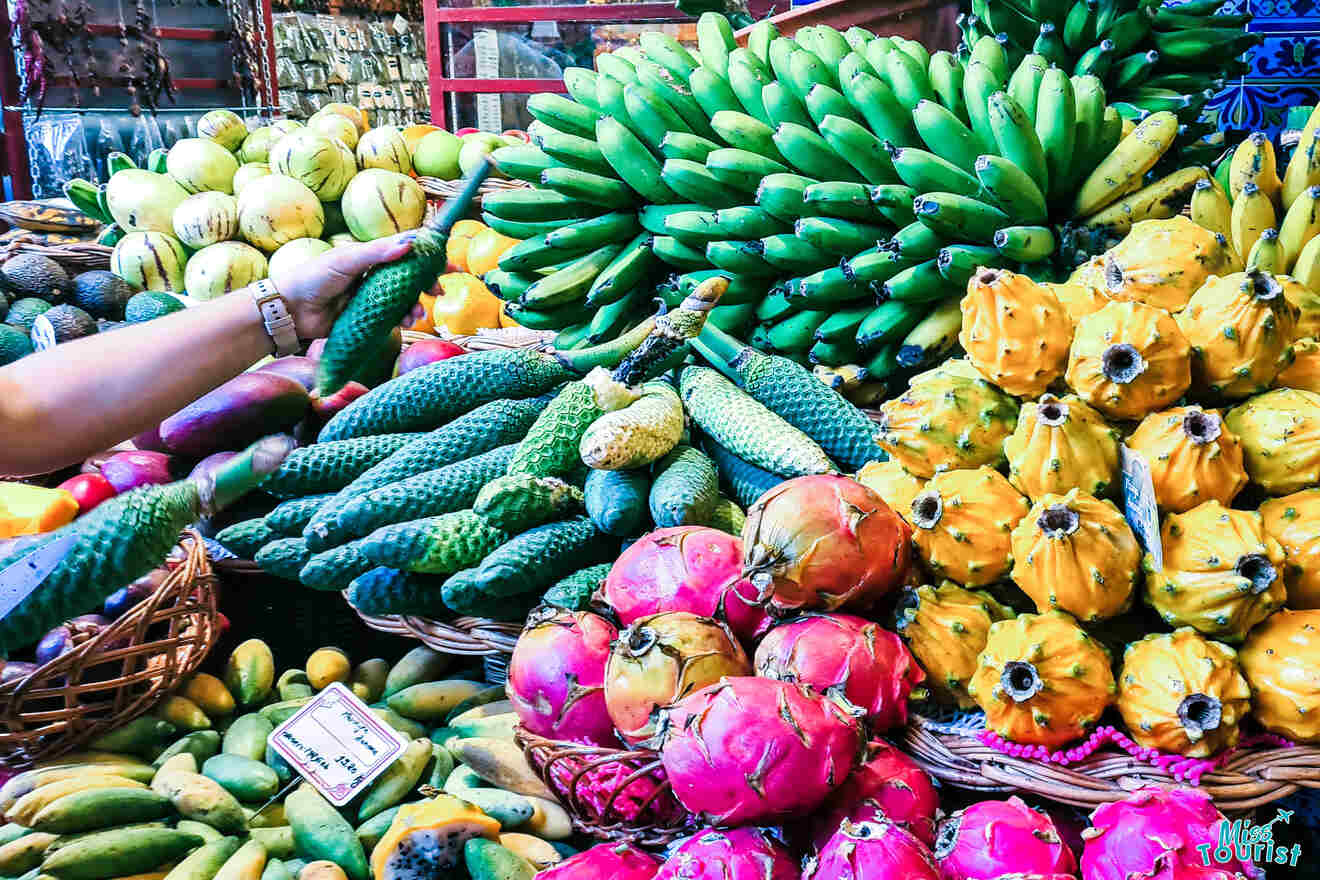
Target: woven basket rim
(53, 731)
(1253, 777)
(467, 636)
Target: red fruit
(427, 351)
(994, 838)
(823, 542)
(737, 854)
(685, 568)
(518, 133)
(889, 783)
(89, 490)
(466, 131)
(844, 656)
(876, 850)
(325, 407)
(300, 369)
(606, 861)
(557, 675)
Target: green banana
(624, 273)
(741, 169)
(788, 253)
(827, 287)
(796, 332)
(571, 282)
(1024, 84)
(663, 49)
(742, 258)
(916, 242)
(652, 217)
(933, 337)
(945, 133)
(1016, 138)
(746, 81)
(782, 105)
(926, 172)
(652, 117)
(563, 114)
(1010, 187)
(837, 236)
(712, 92)
(678, 254)
(861, 149)
(594, 189)
(694, 228)
(1056, 128)
(919, 284)
(748, 221)
(823, 101)
(691, 181)
(632, 161)
(959, 262)
(893, 201)
(589, 234)
(887, 322)
(979, 83)
(571, 151)
(780, 195)
(908, 78)
(888, 119)
(745, 132)
(956, 216)
(684, 145)
(715, 41)
(836, 198)
(1026, 244)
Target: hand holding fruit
(317, 291)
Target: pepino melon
(334, 125)
(384, 147)
(141, 201)
(379, 203)
(294, 253)
(256, 146)
(247, 173)
(279, 210)
(206, 218)
(224, 127)
(436, 155)
(315, 160)
(150, 261)
(201, 165)
(223, 268)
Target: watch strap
(275, 315)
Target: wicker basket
(612, 794)
(1250, 778)
(468, 636)
(82, 257)
(436, 188)
(120, 673)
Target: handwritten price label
(337, 744)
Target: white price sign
(1139, 504)
(337, 744)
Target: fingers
(355, 259)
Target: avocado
(33, 275)
(24, 311)
(61, 324)
(102, 294)
(14, 344)
(150, 304)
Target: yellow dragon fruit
(1060, 444)
(949, 417)
(1014, 331)
(1042, 680)
(895, 486)
(1129, 359)
(1162, 262)
(1180, 692)
(961, 524)
(945, 626)
(1081, 294)
(1307, 302)
(1280, 434)
(1281, 660)
(1076, 552)
(1304, 371)
(1294, 521)
(1193, 457)
(1240, 328)
(1222, 572)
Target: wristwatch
(275, 315)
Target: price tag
(337, 744)
(22, 578)
(486, 54)
(1139, 504)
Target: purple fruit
(244, 409)
(300, 369)
(121, 601)
(13, 670)
(210, 463)
(68, 635)
(128, 470)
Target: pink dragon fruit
(889, 784)
(876, 850)
(686, 568)
(557, 676)
(595, 793)
(617, 861)
(994, 838)
(1160, 833)
(750, 750)
(737, 854)
(844, 656)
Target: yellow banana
(1210, 207)
(1159, 201)
(1253, 213)
(1304, 168)
(1266, 256)
(1122, 170)
(1129, 126)
(1307, 268)
(1300, 224)
(1254, 162)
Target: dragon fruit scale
(1180, 692)
(1294, 521)
(949, 417)
(735, 854)
(1159, 832)
(945, 627)
(1193, 457)
(1129, 359)
(874, 850)
(847, 658)
(1222, 572)
(660, 659)
(961, 525)
(991, 839)
(1042, 680)
(1015, 332)
(1077, 553)
(823, 542)
(1280, 434)
(616, 861)
(1061, 444)
(1162, 263)
(557, 675)
(1240, 328)
(888, 783)
(685, 568)
(754, 750)
(1280, 662)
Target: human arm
(60, 405)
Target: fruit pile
(194, 792)
(473, 485)
(1272, 222)
(850, 184)
(1004, 463)
(1151, 57)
